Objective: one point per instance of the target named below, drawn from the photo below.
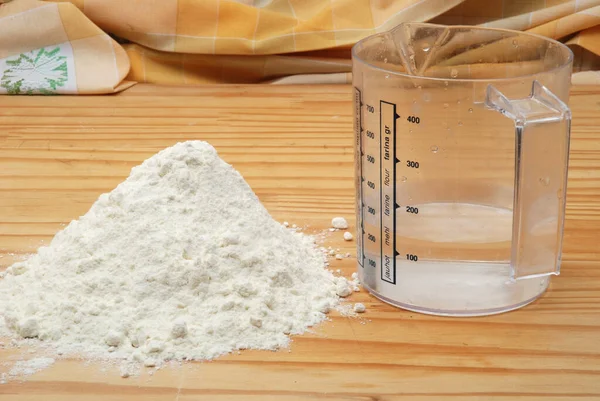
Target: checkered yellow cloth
(104, 46)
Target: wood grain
(294, 147)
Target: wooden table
(294, 147)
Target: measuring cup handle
(542, 129)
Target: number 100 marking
(411, 257)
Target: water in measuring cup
(453, 260)
(463, 251)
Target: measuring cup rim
(569, 59)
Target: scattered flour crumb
(343, 287)
(286, 224)
(348, 236)
(29, 367)
(128, 369)
(355, 283)
(346, 310)
(339, 223)
(339, 257)
(359, 308)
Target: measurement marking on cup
(360, 238)
(377, 207)
(387, 190)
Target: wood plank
(293, 144)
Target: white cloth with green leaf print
(43, 71)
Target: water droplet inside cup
(454, 73)
(403, 179)
(545, 181)
(419, 87)
(426, 47)
(434, 149)
(387, 76)
(460, 123)
(470, 110)
(446, 83)
(445, 105)
(385, 60)
(515, 43)
(410, 131)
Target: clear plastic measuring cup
(462, 144)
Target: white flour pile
(180, 261)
